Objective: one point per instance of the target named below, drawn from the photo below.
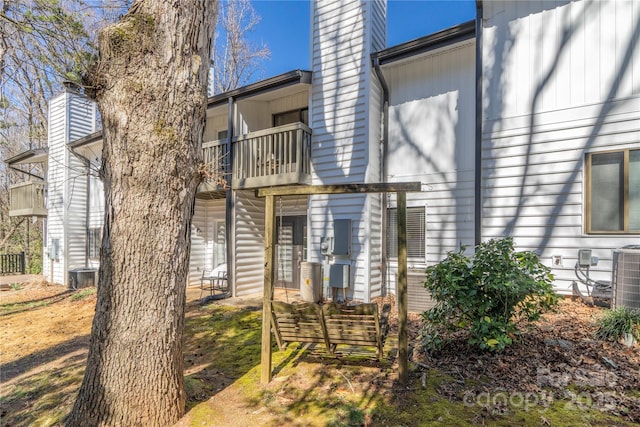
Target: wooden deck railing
(275, 156)
(12, 263)
(28, 199)
(215, 156)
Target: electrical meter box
(584, 257)
(339, 275)
(326, 245)
(342, 237)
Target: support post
(269, 279)
(403, 344)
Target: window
(294, 116)
(94, 242)
(613, 192)
(416, 236)
(223, 134)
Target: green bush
(615, 324)
(487, 295)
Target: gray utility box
(342, 237)
(311, 281)
(82, 278)
(339, 275)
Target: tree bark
(150, 84)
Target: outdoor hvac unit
(419, 299)
(82, 278)
(625, 280)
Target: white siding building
(524, 123)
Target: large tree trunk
(150, 84)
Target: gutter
(478, 129)
(446, 37)
(276, 82)
(385, 151)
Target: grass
(82, 293)
(310, 387)
(615, 324)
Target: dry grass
(44, 337)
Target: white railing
(28, 199)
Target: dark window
(613, 192)
(293, 116)
(94, 242)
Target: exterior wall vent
(419, 299)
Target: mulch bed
(556, 359)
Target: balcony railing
(275, 156)
(28, 199)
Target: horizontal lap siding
(71, 116)
(431, 140)
(205, 215)
(548, 103)
(345, 138)
(56, 184)
(249, 243)
(81, 122)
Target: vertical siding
(344, 33)
(542, 56)
(431, 139)
(570, 72)
(249, 243)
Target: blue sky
(285, 27)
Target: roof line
(446, 37)
(26, 154)
(85, 140)
(276, 82)
(282, 80)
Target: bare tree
(236, 60)
(150, 85)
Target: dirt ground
(44, 335)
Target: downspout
(228, 211)
(385, 150)
(478, 129)
(86, 216)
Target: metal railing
(28, 199)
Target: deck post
(269, 279)
(403, 344)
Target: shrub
(486, 295)
(615, 324)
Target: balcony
(270, 157)
(215, 156)
(28, 199)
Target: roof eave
(446, 37)
(37, 155)
(272, 83)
